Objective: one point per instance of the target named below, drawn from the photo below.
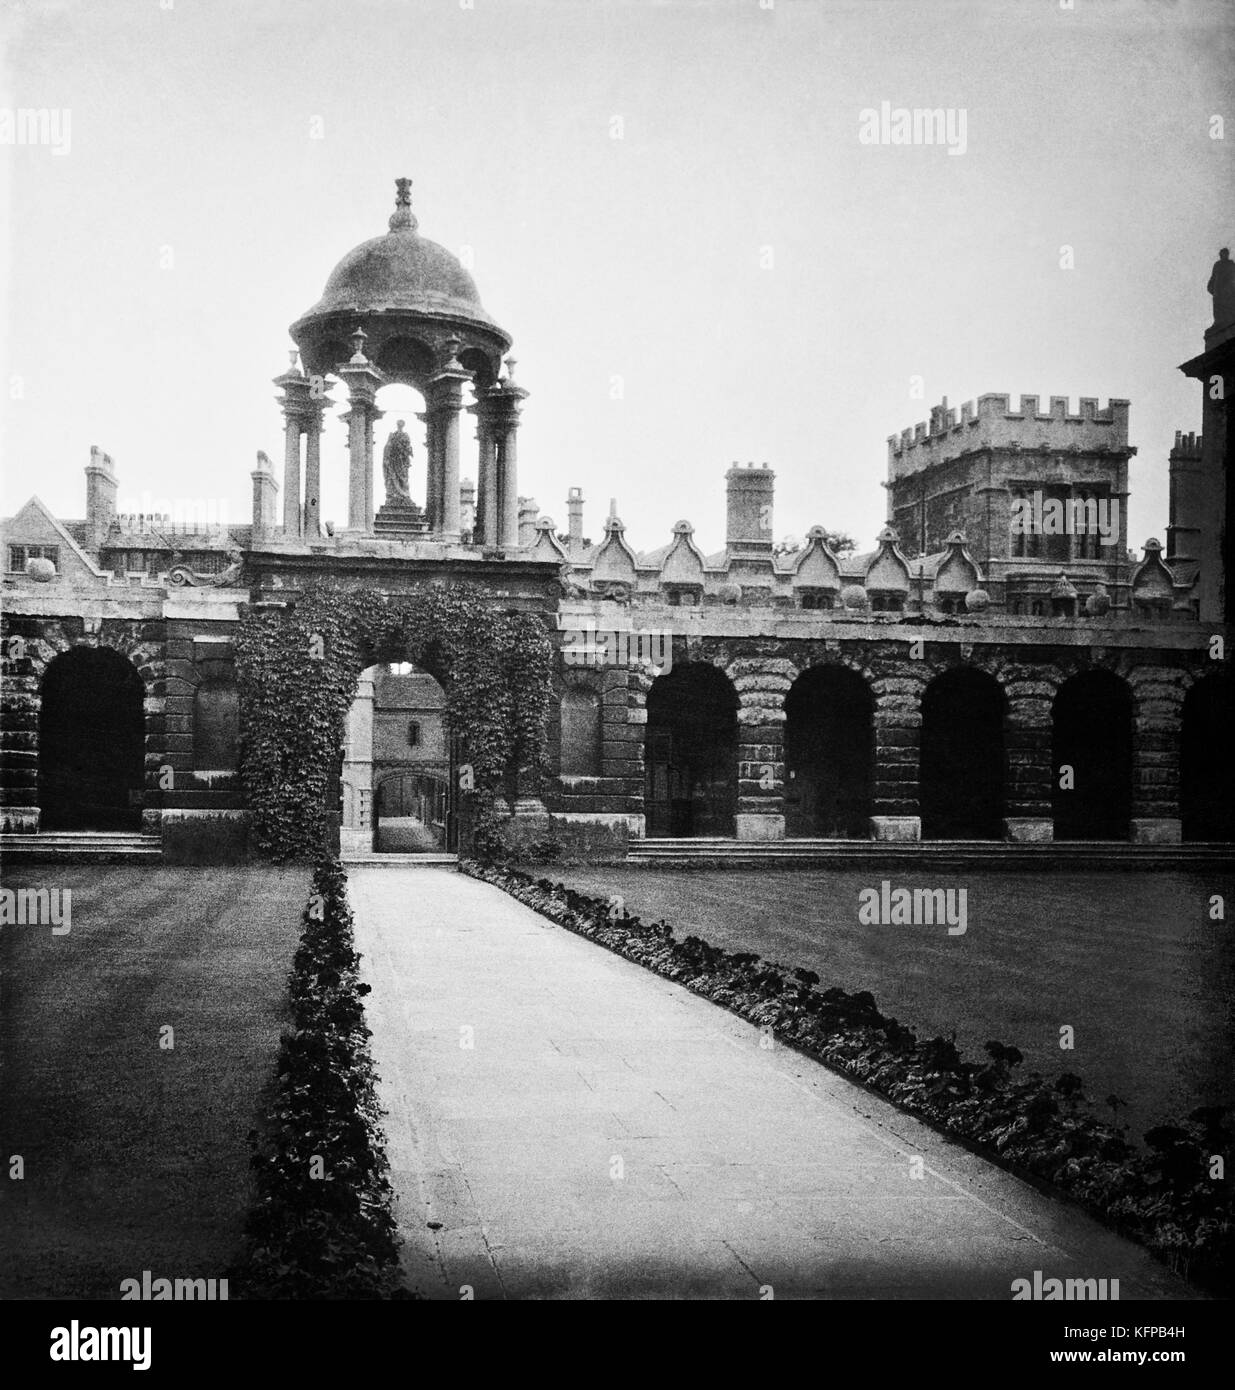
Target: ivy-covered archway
(298, 666)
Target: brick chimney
(748, 530)
(574, 520)
(528, 512)
(467, 507)
(1188, 502)
(100, 496)
(265, 497)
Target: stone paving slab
(564, 1124)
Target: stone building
(998, 667)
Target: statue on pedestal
(396, 462)
(1222, 287)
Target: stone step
(400, 861)
(80, 845)
(1067, 854)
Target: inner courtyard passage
(563, 1124)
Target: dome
(401, 271)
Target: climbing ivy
(298, 668)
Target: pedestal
(896, 829)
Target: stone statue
(1222, 287)
(396, 461)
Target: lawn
(135, 1155)
(1129, 961)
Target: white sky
(637, 257)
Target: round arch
(1091, 742)
(1207, 759)
(690, 753)
(829, 754)
(91, 742)
(963, 758)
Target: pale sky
(150, 272)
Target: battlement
(1186, 446)
(752, 477)
(993, 424)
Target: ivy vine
(298, 668)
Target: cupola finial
(403, 218)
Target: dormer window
(887, 602)
(19, 554)
(816, 598)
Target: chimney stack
(467, 507)
(528, 512)
(100, 496)
(748, 529)
(574, 520)
(265, 497)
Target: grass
(1131, 962)
(135, 1154)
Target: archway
(91, 742)
(397, 778)
(962, 758)
(690, 753)
(1207, 760)
(1091, 723)
(829, 754)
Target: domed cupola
(400, 308)
(410, 296)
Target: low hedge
(321, 1225)
(1162, 1196)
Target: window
(19, 554)
(887, 603)
(816, 598)
(216, 726)
(413, 734)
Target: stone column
(898, 740)
(356, 831)
(487, 433)
(510, 403)
(1157, 719)
(1028, 806)
(313, 474)
(446, 400)
(762, 686)
(362, 379)
(433, 481)
(291, 478)
(295, 403)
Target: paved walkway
(565, 1124)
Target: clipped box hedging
(321, 1224)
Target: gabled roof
(34, 523)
